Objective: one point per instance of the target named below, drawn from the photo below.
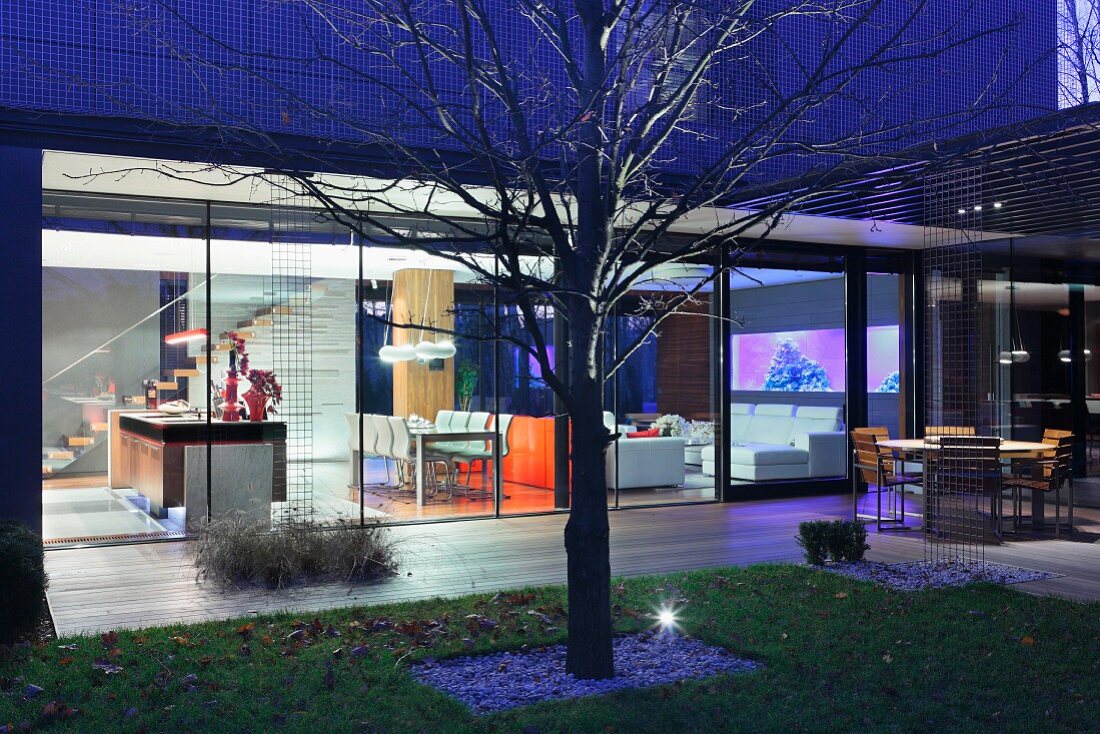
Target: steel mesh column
(956, 481)
(292, 341)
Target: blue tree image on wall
(890, 383)
(792, 371)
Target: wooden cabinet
(149, 454)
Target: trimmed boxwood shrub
(847, 540)
(839, 540)
(23, 581)
(813, 536)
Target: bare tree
(1078, 52)
(604, 136)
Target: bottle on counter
(150, 387)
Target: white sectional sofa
(643, 462)
(783, 442)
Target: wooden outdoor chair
(1047, 474)
(936, 431)
(966, 472)
(879, 467)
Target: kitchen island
(164, 458)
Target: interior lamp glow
(402, 353)
(427, 350)
(1064, 355)
(182, 337)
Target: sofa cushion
(651, 433)
(771, 424)
(762, 454)
(816, 419)
(740, 418)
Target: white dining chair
(383, 447)
(403, 450)
(483, 452)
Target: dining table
(1010, 449)
(427, 436)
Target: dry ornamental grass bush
(236, 551)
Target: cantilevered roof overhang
(1044, 174)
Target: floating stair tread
(186, 372)
(99, 427)
(168, 385)
(59, 455)
(80, 440)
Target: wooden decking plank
(120, 587)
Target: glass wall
(788, 374)
(115, 279)
(885, 358)
(1041, 318)
(660, 345)
(380, 376)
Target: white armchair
(642, 462)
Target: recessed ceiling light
(997, 205)
(962, 211)
(978, 208)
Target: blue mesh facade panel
(280, 68)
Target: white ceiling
(64, 249)
(64, 171)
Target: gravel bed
(919, 575)
(505, 680)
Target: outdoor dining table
(1009, 450)
(427, 436)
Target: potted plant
(467, 383)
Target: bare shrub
(238, 551)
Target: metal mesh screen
(959, 477)
(292, 343)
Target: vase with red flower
(231, 409)
(264, 394)
(257, 403)
(238, 364)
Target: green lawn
(839, 655)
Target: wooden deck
(96, 589)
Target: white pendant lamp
(427, 350)
(397, 353)
(392, 353)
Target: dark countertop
(188, 429)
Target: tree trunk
(586, 540)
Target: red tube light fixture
(181, 337)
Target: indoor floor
(85, 510)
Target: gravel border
(504, 680)
(918, 575)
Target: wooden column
(423, 296)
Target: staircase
(331, 304)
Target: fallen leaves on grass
(57, 711)
(106, 666)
